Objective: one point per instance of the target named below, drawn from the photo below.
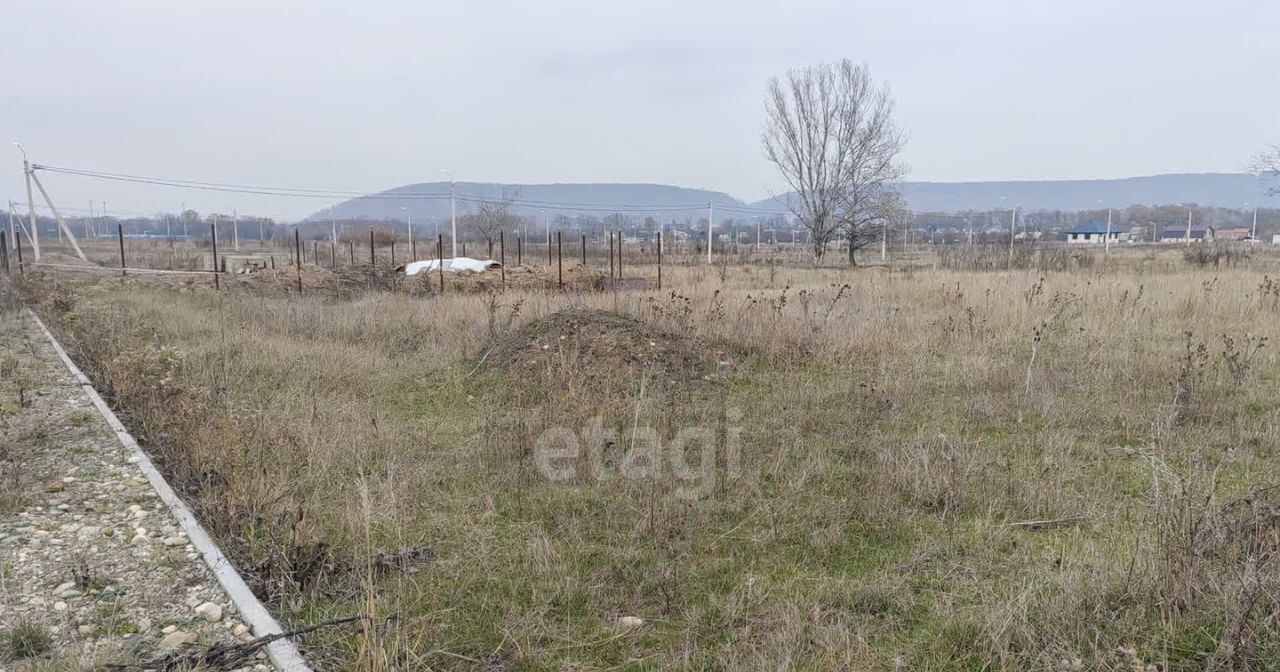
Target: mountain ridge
(426, 200)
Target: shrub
(27, 639)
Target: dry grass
(934, 469)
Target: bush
(1216, 254)
(27, 639)
(995, 257)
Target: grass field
(759, 467)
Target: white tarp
(451, 265)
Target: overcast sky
(368, 95)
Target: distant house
(1178, 234)
(1239, 233)
(1141, 232)
(1095, 232)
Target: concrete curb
(282, 652)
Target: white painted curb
(282, 652)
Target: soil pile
(576, 278)
(598, 343)
(347, 279)
(283, 280)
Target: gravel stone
(175, 640)
(210, 612)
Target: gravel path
(93, 568)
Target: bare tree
(830, 131)
(875, 215)
(495, 216)
(1267, 164)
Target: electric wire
(262, 190)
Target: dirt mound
(281, 281)
(284, 280)
(598, 343)
(576, 278)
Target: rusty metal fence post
(440, 262)
(213, 239)
(297, 245)
(120, 236)
(659, 261)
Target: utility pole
(168, 227)
(453, 211)
(235, 229)
(1106, 250)
(57, 216)
(1188, 243)
(13, 231)
(970, 223)
(1013, 224)
(711, 222)
(184, 220)
(34, 233)
(1254, 233)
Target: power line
(261, 190)
(234, 188)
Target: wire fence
(629, 262)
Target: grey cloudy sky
(370, 95)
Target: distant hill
(431, 200)
(1209, 189)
